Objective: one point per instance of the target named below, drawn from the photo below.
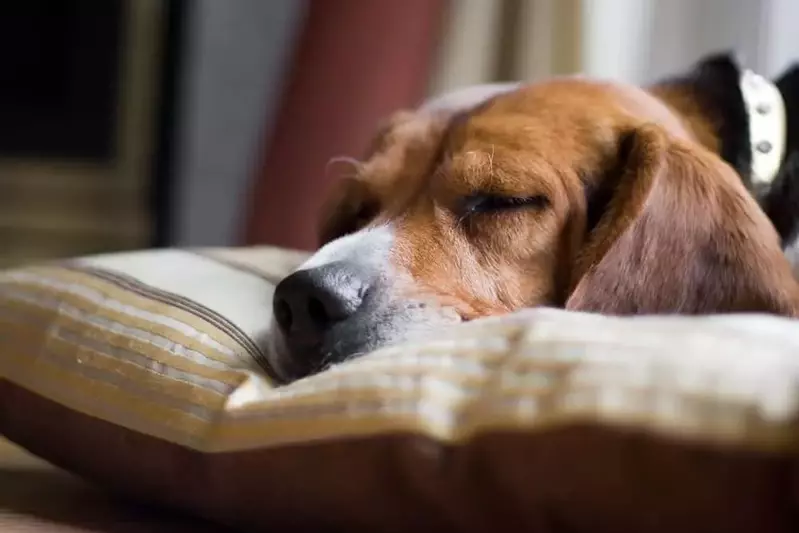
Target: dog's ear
(679, 234)
(716, 72)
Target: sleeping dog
(583, 194)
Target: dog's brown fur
(675, 230)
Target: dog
(577, 193)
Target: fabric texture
(146, 373)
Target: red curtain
(356, 61)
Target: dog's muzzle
(332, 313)
(345, 301)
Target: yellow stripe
(127, 298)
(129, 410)
(45, 319)
(147, 326)
(136, 300)
(82, 359)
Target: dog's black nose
(308, 303)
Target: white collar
(767, 129)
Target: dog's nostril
(318, 312)
(309, 303)
(283, 314)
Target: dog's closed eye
(492, 203)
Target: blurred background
(127, 124)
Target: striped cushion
(145, 372)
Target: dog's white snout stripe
(369, 247)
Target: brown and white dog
(576, 193)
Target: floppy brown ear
(680, 234)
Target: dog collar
(766, 110)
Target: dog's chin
(282, 366)
(289, 364)
(292, 361)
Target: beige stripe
(218, 293)
(155, 320)
(95, 322)
(244, 341)
(25, 315)
(108, 402)
(61, 344)
(132, 381)
(219, 340)
(92, 366)
(97, 289)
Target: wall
(238, 48)
(236, 52)
(640, 40)
(779, 39)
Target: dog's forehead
(571, 123)
(560, 119)
(404, 153)
(575, 107)
(555, 106)
(405, 149)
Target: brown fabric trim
(579, 479)
(134, 285)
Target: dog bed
(145, 374)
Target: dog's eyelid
(486, 203)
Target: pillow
(144, 372)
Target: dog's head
(556, 194)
